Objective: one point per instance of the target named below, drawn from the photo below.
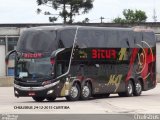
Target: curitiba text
(41, 107)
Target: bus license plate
(31, 93)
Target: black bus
(79, 62)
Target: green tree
(67, 8)
(119, 20)
(131, 16)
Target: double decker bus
(80, 62)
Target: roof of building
(150, 24)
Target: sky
(24, 11)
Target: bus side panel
(149, 72)
(142, 65)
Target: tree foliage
(68, 8)
(119, 20)
(131, 16)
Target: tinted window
(126, 39)
(37, 41)
(112, 37)
(84, 39)
(91, 38)
(149, 38)
(98, 36)
(66, 38)
(138, 36)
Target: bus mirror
(8, 55)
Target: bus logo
(32, 55)
(103, 53)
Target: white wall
(2, 61)
(9, 31)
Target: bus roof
(46, 39)
(80, 27)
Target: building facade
(8, 40)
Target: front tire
(74, 93)
(86, 91)
(137, 89)
(38, 99)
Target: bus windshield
(34, 68)
(37, 41)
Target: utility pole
(154, 16)
(102, 19)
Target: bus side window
(149, 38)
(83, 38)
(112, 39)
(66, 38)
(59, 69)
(98, 38)
(126, 39)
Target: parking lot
(148, 102)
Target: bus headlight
(50, 92)
(16, 92)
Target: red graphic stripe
(132, 60)
(149, 59)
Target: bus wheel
(138, 89)
(74, 93)
(38, 99)
(51, 98)
(129, 90)
(86, 91)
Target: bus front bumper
(46, 90)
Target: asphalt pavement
(148, 102)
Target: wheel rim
(74, 92)
(85, 91)
(138, 87)
(130, 89)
